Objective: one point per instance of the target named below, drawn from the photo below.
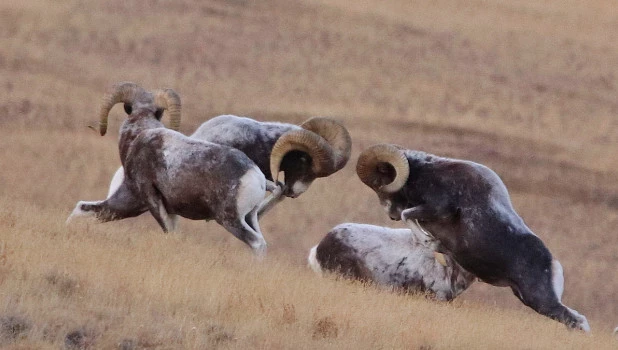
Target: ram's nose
(394, 217)
(297, 188)
(289, 192)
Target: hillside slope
(528, 89)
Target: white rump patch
(557, 278)
(312, 260)
(251, 191)
(250, 194)
(116, 182)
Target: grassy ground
(528, 89)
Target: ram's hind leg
(156, 206)
(117, 181)
(252, 236)
(121, 205)
(544, 294)
(244, 225)
(85, 209)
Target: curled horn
(168, 99)
(305, 141)
(335, 134)
(125, 92)
(372, 168)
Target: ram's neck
(135, 124)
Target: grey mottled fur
(401, 258)
(256, 139)
(466, 206)
(169, 174)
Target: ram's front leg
(420, 219)
(426, 213)
(275, 197)
(422, 236)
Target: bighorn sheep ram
(169, 174)
(319, 147)
(466, 207)
(402, 258)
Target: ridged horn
(125, 92)
(335, 134)
(168, 99)
(305, 141)
(370, 167)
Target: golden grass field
(527, 88)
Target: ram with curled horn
(319, 147)
(169, 174)
(466, 207)
(131, 94)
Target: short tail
(313, 260)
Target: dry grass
(90, 284)
(526, 88)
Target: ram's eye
(128, 108)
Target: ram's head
(134, 97)
(385, 169)
(320, 148)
